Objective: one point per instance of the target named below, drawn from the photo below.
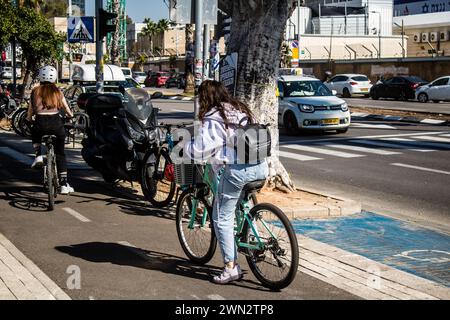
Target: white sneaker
(67, 189)
(229, 275)
(38, 162)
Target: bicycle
(258, 230)
(157, 184)
(51, 181)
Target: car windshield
(163, 74)
(416, 79)
(306, 89)
(360, 78)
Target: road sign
(80, 29)
(183, 11)
(228, 72)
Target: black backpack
(252, 142)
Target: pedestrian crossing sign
(80, 29)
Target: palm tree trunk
(256, 35)
(189, 69)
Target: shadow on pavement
(122, 255)
(31, 199)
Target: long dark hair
(213, 94)
(52, 97)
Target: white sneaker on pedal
(229, 275)
(67, 189)
(38, 162)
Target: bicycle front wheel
(275, 265)
(156, 187)
(195, 227)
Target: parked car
(306, 103)
(347, 85)
(157, 79)
(436, 91)
(127, 72)
(177, 80)
(7, 73)
(139, 76)
(399, 88)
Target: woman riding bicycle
(219, 112)
(47, 102)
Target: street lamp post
(379, 32)
(403, 38)
(198, 64)
(69, 14)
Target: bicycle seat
(48, 139)
(254, 186)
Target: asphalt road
(440, 108)
(407, 179)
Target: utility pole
(14, 62)
(69, 14)
(198, 65)
(99, 49)
(206, 49)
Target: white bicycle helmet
(48, 74)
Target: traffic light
(105, 24)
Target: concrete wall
(426, 68)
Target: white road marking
(182, 111)
(373, 126)
(360, 114)
(409, 140)
(323, 151)
(435, 139)
(425, 144)
(432, 121)
(362, 149)
(215, 297)
(296, 156)
(76, 215)
(446, 135)
(420, 168)
(385, 145)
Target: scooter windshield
(139, 103)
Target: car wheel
(290, 124)
(346, 93)
(374, 96)
(402, 96)
(436, 101)
(342, 130)
(423, 97)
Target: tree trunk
(256, 35)
(189, 69)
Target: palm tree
(33, 4)
(150, 30)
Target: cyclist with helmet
(47, 103)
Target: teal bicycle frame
(242, 214)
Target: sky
(138, 10)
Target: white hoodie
(210, 143)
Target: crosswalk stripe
(296, 156)
(324, 151)
(425, 144)
(384, 144)
(372, 126)
(409, 140)
(362, 149)
(435, 139)
(446, 135)
(419, 168)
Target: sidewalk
(21, 279)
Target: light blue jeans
(232, 181)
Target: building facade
(79, 7)
(426, 24)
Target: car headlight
(306, 108)
(344, 107)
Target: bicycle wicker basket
(188, 174)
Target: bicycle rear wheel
(196, 234)
(276, 265)
(156, 187)
(50, 179)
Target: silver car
(139, 77)
(306, 103)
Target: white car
(7, 73)
(436, 91)
(306, 103)
(140, 76)
(347, 85)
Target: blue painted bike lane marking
(401, 245)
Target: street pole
(14, 62)
(206, 48)
(99, 50)
(379, 35)
(198, 64)
(69, 14)
(403, 40)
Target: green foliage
(39, 42)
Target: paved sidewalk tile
(21, 279)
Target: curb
(367, 116)
(343, 207)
